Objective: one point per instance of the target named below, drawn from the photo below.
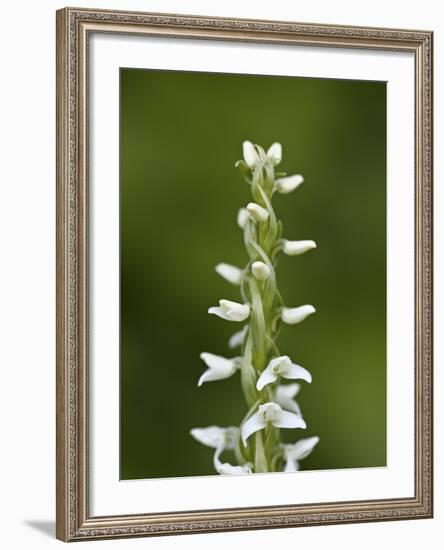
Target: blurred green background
(181, 133)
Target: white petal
(260, 270)
(294, 248)
(219, 368)
(268, 376)
(219, 312)
(296, 372)
(302, 448)
(274, 153)
(231, 311)
(230, 273)
(284, 397)
(250, 154)
(291, 465)
(242, 218)
(294, 315)
(289, 183)
(237, 339)
(287, 419)
(255, 423)
(257, 212)
(213, 436)
(224, 468)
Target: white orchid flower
(270, 413)
(294, 315)
(288, 183)
(274, 153)
(251, 156)
(242, 218)
(230, 273)
(297, 451)
(216, 437)
(284, 397)
(225, 468)
(260, 270)
(231, 311)
(294, 248)
(257, 212)
(237, 339)
(282, 367)
(219, 367)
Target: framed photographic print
(244, 274)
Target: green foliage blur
(181, 133)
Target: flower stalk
(256, 443)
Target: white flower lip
(284, 397)
(242, 218)
(294, 248)
(297, 451)
(273, 413)
(288, 183)
(282, 367)
(294, 315)
(230, 273)
(260, 270)
(230, 311)
(250, 154)
(219, 368)
(274, 153)
(258, 213)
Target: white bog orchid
(294, 315)
(260, 270)
(284, 397)
(270, 413)
(230, 273)
(231, 311)
(274, 153)
(297, 451)
(216, 437)
(294, 248)
(258, 213)
(282, 367)
(288, 183)
(219, 367)
(251, 156)
(237, 339)
(225, 468)
(242, 218)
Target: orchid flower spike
(297, 451)
(288, 183)
(219, 367)
(270, 413)
(294, 248)
(294, 315)
(258, 213)
(242, 218)
(284, 397)
(274, 153)
(251, 156)
(282, 367)
(230, 273)
(260, 270)
(231, 311)
(237, 339)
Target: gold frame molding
(74, 25)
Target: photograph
(252, 274)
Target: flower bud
(274, 153)
(230, 273)
(294, 315)
(288, 184)
(242, 218)
(294, 248)
(260, 270)
(250, 155)
(257, 212)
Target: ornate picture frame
(75, 520)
